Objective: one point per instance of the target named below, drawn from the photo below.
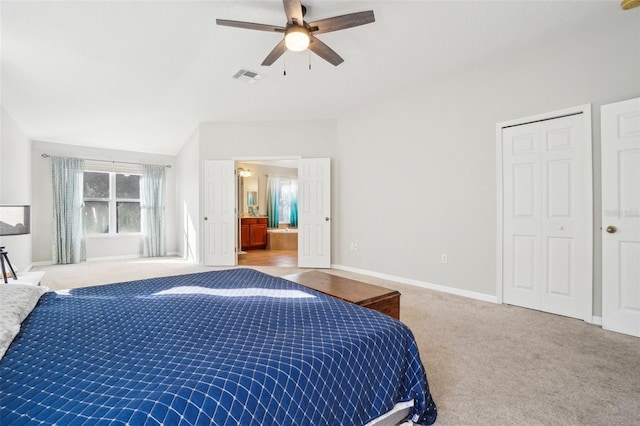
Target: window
(111, 202)
(284, 202)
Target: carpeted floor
(487, 364)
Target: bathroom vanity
(253, 233)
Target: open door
(314, 213)
(621, 217)
(219, 213)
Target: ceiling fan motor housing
(296, 38)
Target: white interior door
(219, 213)
(621, 217)
(314, 213)
(546, 216)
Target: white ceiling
(140, 75)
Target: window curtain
(152, 207)
(293, 203)
(67, 176)
(273, 198)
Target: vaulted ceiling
(140, 75)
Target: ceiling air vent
(248, 76)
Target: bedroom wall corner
(188, 198)
(15, 185)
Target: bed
(234, 347)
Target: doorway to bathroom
(221, 215)
(268, 212)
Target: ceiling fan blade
(342, 22)
(293, 9)
(325, 52)
(275, 54)
(629, 4)
(250, 26)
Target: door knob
(611, 229)
(206, 218)
(326, 219)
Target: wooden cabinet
(253, 233)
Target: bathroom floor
(286, 258)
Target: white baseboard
(596, 321)
(430, 286)
(43, 263)
(104, 258)
(125, 257)
(100, 259)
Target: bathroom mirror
(252, 198)
(250, 192)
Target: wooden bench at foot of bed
(370, 296)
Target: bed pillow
(16, 303)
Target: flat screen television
(15, 219)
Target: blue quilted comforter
(233, 347)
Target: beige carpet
(487, 364)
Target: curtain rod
(168, 166)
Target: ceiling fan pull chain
(309, 52)
(284, 60)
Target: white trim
(43, 263)
(430, 286)
(267, 158)
(587, 122)
(128, 256)
(499, 218)
(105, 258)
(585, 110)
(596, 321)
(123, 257)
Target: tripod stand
(4, 258)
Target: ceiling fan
(629, 4)
(300, 35)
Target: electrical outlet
(444, 258)
(354, 246)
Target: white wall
(99, 246)
(417, 174)
(308, 138)
(255, 140)
(15, 185)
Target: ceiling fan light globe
(296, 39)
